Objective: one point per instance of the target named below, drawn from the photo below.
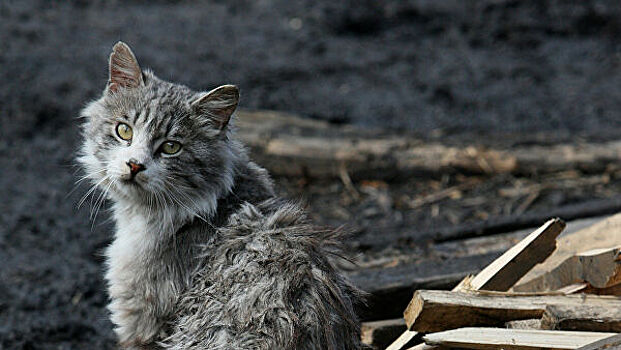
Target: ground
(455, 71)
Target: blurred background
(480, 117)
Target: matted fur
(265, 283)
(204, 256)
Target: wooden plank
(424, 346)
(597, 318)
(513, 339)
(379, 334)
(604, 234)
(574, 288)
(433, 311)
(404, 339)
(610, 343)
(601, 268)
(518, 260)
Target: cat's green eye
(170, 147)
(124, 131)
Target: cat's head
(156, 144)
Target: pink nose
(135, 167)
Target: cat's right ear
(124, 71)
(217, 105)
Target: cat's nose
(135, 167)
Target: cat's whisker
(91, 175)
(99, 202)
(91, 190)
(85, 177)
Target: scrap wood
(519, 259)
(504, 271)
(513, 339)
(610, 343)
(601, 268)
(604, 234)
(586, 317)
(574, 288)
(379, 334)
(434, 310)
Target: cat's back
(267, 283)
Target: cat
(205, 256)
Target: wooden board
(601, 268)
(513, 339)
(433, 311)
(605, 234)
(518, 260)
(610, 343)
(597, 318)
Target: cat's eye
(170, 147)
(124, 131)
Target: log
(433, 311)
(612, 342)
(597, 318)
(292, 146)
(513, 339)
(600, 268)
(604, 234)
(379, 334)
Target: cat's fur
(204, 255)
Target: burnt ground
(458, 71)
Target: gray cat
(204, 255)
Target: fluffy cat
(204, 255)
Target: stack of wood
(534, 296)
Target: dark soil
(452, 70)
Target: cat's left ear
(217, 105)
(124, 71)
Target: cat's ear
(124, 71)
(217, 105)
